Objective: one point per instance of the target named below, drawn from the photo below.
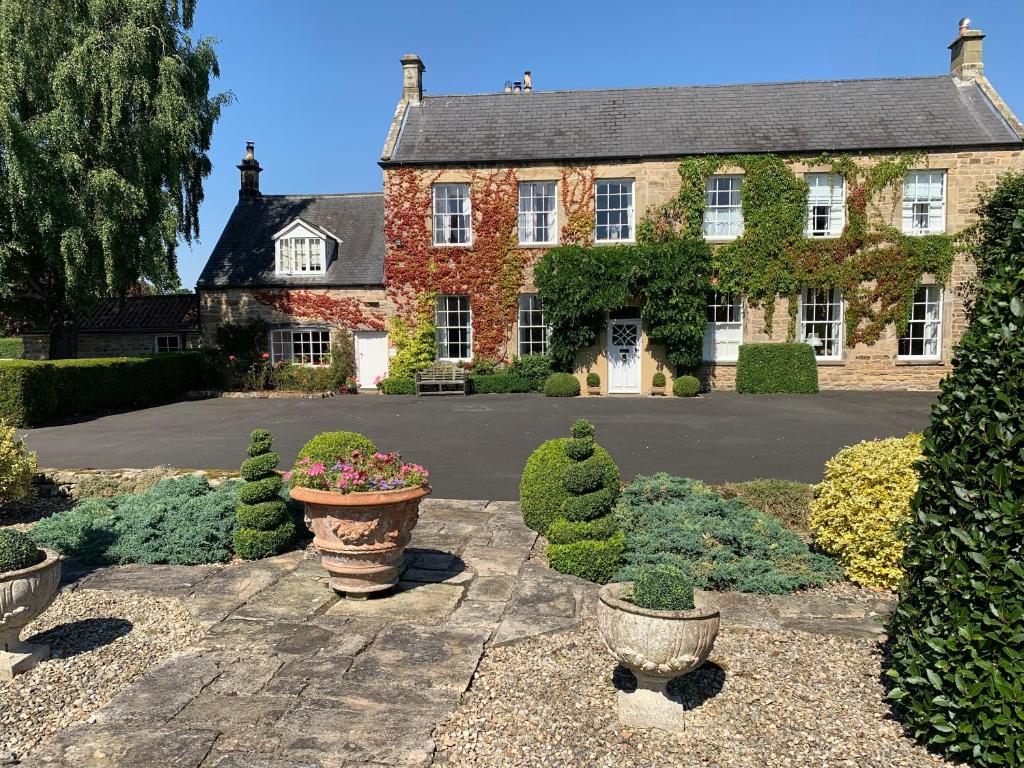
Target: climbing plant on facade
(877, 267)
(489, 270)
(578, 287)
(343, 311)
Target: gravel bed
(764, 699)
(99, 642)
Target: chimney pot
(508, 86)
(965, 60)
(517, 87)
(250, 171)
(527, 81)
(412, 77)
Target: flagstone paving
(289, 675)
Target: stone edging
(812, 611)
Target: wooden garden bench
(441, 379)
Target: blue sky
(316, 81)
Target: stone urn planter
(24, 595)
(656, 646)
(657, 391)
(361, 536)
(594, 390)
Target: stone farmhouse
(478, 187)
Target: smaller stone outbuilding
(138, 325)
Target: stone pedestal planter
(24, 595)
(656, 646)
(361, 537)
(657, 391)
(593, 390)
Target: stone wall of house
(37, 345)
(349, 308)
(862, 366)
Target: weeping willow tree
(105, 124)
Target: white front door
(623, 356)
(371, 357)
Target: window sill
(722, 239)
(829, 362)
(919, 361)
(537, 245)
(821, 237)
(720, 363)
(615, 242)
(453, 245)
(924, 234)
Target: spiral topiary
(568, 490)
(265, 527)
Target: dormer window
(302, 248)
(300, 256)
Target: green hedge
(395, 385)
(561, 385)
(11, 348)
(686, 386)
(769, 368)
(500, 383)
(35, 392)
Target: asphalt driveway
(475, 447)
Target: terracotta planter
(656, 646)
(24, 595)
(361, 537)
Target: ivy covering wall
(876, 266)
(671, 268)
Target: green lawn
(11, 347)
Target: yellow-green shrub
(17, 466)
(860, 509)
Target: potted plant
(593, 384)
(658, 384)
(351, 385)
(652, 628)
(362, 511)
(29, 578)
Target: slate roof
(141, 314)
(814, 116)
(244, 254)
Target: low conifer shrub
(180, 521)
(722, 543)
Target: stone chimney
(965, 53)
(250, 168)
(412, 77)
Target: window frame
(535, 308)
(552, 225)
(277, 355)
(630, 212)
(179, 343)
(289, 243)
(438, 217)
(443, 328)
(838, 323)
(735, 305)
(714, 179)
(907, 214)
(937, 322)
(837, 207)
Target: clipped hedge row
(765, 369)
(395, 385)
(33, 392)
(500, 383)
